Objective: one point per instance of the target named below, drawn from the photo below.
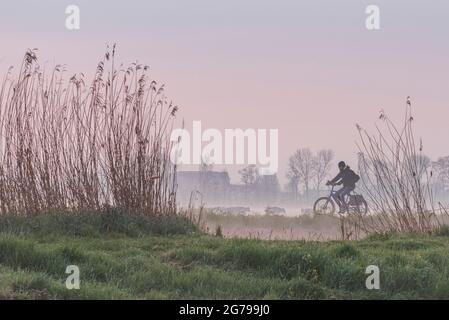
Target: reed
(71, 146)
(396, 177)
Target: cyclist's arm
(335, 180)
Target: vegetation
(307, 168)
(396, 178)
(148, 260)
(96, 224)
(65, 145)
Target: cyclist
(348, 178)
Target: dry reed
(65, 145)
(396, 178)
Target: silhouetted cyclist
(348, 178)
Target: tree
(441, 168)
(301, 167)
(249, 176)
(323, 161)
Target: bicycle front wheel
(324, 205)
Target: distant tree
(421, 164)
(293, 176)
(323, 161)
(249, 174)
(301, 167)
(441, 171)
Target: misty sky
(309, 68)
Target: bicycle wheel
(361, 207)
(324, 205)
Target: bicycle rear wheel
(363, 207)
(324, 205)
(360, 208)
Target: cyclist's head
(341, 165)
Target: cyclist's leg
(345, 191)
(337, 198)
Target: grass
(133, 257)
(95, 224)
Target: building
(214, 186)
(216, 189)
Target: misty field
(135, 257)
(274, 227)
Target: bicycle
(326, 205)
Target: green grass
(124, 257)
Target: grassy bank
(122, 257)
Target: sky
(310, 69)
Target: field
(274, 227)
(124, 257)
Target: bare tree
(441, 169)
(249, 176)
(292, 184)
(323, 161)
(301, 167)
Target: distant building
(214, 186)
(216, 189)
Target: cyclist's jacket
(347, 177)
